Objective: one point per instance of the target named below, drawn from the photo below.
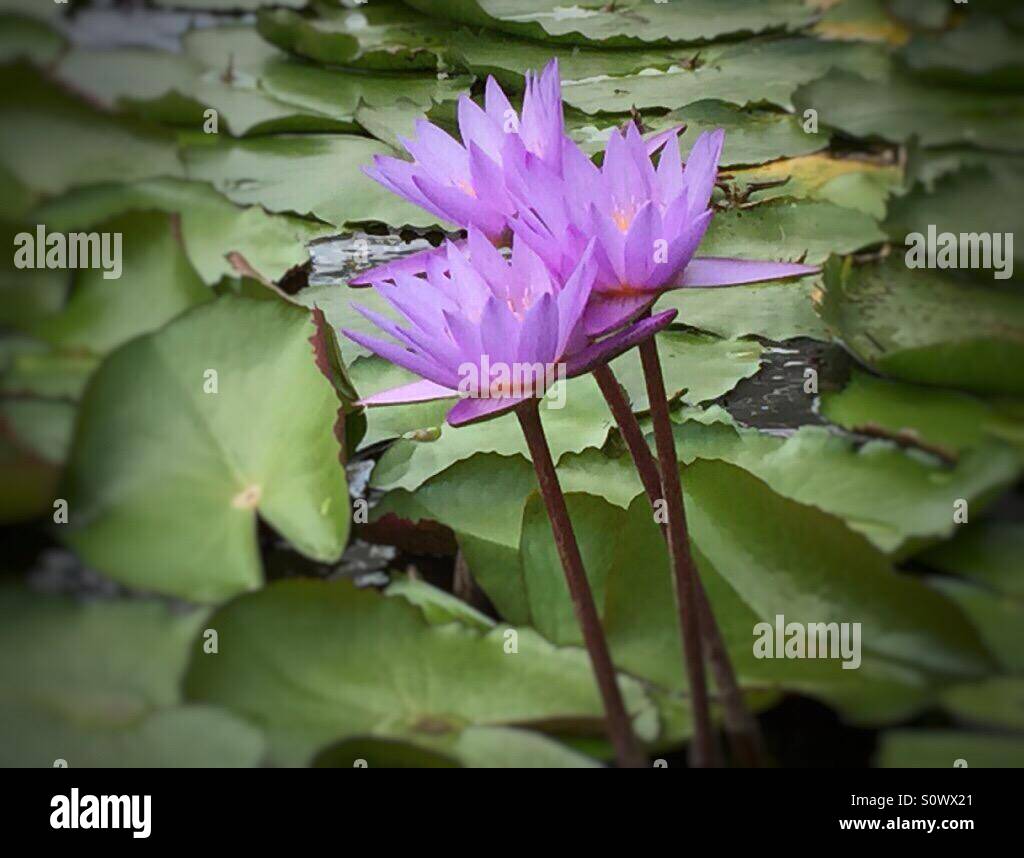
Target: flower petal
(410, 264)
(423, 390)
(610, 311)
(715, 271)
(611, 347)
(476, 409)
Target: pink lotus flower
(503, 325)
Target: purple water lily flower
(464, 183)
(491, 331)
(648, 222)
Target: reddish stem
(628, 753)
(702, 750)
(741, 727)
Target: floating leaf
(212, 228)
(995, 703)
(981, 52)
(384, 36)
(847, 182)
(156, 283)
(900, 108)
(316, 663)
(893, 497)
(999, 619)
(753, 72)
(947, 421)
(987, 552)
(973, 202)
(628, 22)
(788, 230)
(23, 38)
(207, 461)
(775, 311)
(925, 326)
(940, 749)
(53, 142)
(97, 685)
(313, 174)
(751, 136)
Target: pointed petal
(607, 349)
(416, 391)
(403, 357)
(479, 129)
(702, 170)
(475, 410)
(410, 264)
(497, 105)
(656, 141)
(609, 312)
(713, 271)
(461, 208)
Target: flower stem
(741, 727)
(628, 753)
(702, 750)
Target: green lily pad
(751, 136)
(697, 367)
(254, 87)
(53, 142)
(847, 182)
(628, 22)
(775, 311)
(895, 498)
(749, 73)
(981, 52)
(157, 283)
(372, 375)
(969, 201)
(346, 663)
(900, 108)
(926, 327)
(987, 552)
(28, 294)
(208, 462)
(994, 703)
(573, 421)
(940, 749)
(998, 618)
(312, 174)
(384, 36)
(787, 230)
(212, 228)
(97, 685)
(26, 38)
(949, 420)
(760, 556)
(33, 369)
(42, 425)
(486, 52)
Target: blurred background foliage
(210, 600)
